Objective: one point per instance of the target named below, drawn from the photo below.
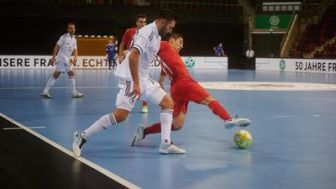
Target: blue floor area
(294, 131)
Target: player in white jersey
(134, 83)
(65, 47)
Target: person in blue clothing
(219, 51)
(111, 51)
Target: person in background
(219, 51)
(65, 47)
(111, 50)
(250, 58)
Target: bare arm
(75, 54)
(121, 51)
(133, 65)
(55, 51)
(162, 80)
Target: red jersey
(128, 37)
(172, 64)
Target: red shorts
(183, 91)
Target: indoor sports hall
(276, 66)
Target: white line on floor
(19, 128)
(100, 169)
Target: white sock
(51, 82)
(103, 123)
(73, 85)
(166, 119)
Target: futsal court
(293, 133)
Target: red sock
(155, 128)
(219, 110)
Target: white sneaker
(237, 122)
(77, 144)
(77, 95)
(171, 149)
(45, 94)
(138, 135)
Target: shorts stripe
(112, 119)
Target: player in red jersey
(183, 90)
(126, 43)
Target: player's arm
(54, 54)
(162, 79)
(133, 65)
(75, 54)
(122, 46)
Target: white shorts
(150, 92)
(63, 67)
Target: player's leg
(110, 63)
(75, 93)
(180, 110)
(114, 63)
(111, 119)
(141, 132)
(51, 82)
(157, 95)
(124, 105)
(216, 108)
(220, 111)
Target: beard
(163, 33)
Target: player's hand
(136, 92)
(120, 59)
(52, 61)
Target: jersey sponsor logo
(151, 36)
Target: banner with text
(297, 65)
(100, 62)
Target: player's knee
(56, 75)
(167, 102)
(71, 75)
(208, 99)
(176, 127)
(120, 115)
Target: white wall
(297, 65)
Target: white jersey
(147, 41)
(67, 45)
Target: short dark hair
(140, 16)
(167, 14)
(71, 23)
(174, 35)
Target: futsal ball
(242, 138)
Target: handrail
(287, 36)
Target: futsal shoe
(138, 135)
(46, 94)
(237, 122)
(144, 109)
(77, 144)
(77, 95)
(171, 149)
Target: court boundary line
(87, 162)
